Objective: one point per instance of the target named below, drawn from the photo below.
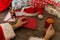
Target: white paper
(8, 17)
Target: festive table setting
(40, 14)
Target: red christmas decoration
(4, 4)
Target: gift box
(53, 10)
(31, 24)
(18, 4)
(57, 1)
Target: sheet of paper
(8, 17)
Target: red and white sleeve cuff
(35, 38)
(8, 31)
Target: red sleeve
(1, 34)
(4, 4)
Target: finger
(50, 26)
(23, 18)
(10, 7)
(52, 29)
(25, 22)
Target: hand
(49, 33)
(12, 11)
(19, 23)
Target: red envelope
(31, 24)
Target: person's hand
(12, 10)
(19, 23)
(49, 32)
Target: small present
(31, 24)
(57, 1)
(18, 4)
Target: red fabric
(34, 9)
(30, 10)
(4, 4)
(39, 2)
(1, 34)
(39, 9)
(31, 24)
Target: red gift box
(31, 24)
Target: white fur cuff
(40, 16)
(8, 31)
(35, 38)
